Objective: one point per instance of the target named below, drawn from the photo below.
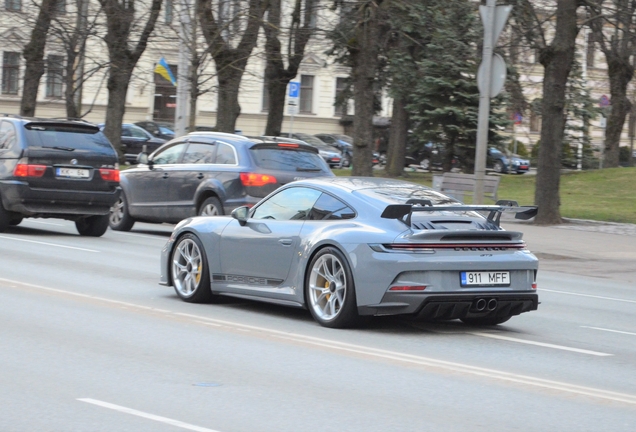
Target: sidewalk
(598, 249)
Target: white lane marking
(592, 296)
(541, 344)
(379, 353)
(157, 418)
(609, 330)
(164, 238)
(48, 244)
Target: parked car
(157, 129)
(430, 156)
(135, 139)
(312, 139)
(344, 247)
(56, 169)
(332, 156)
(209, 173)
(344, 143)
(506, 163)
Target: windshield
(345, 138)
(310, 139)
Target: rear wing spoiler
(403, 212)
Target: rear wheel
(119, 218)
(190, 274)
(15, 219)
(330, 291)
(211, 207)
(486, 320)
(5, 218)
(92, 226)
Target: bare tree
(614, 29)
(557, 57)
(34, 56)
(277, 76)
(124, 54)
(230, 61)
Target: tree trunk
(34, 56)
(397, 139)
(228, 107)
(118, 81)
(557, 61)
(276, 90)
(620, 74)
(364, 62)
(69, 85)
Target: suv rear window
(64, 136)
(288, 159)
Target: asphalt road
(90, 342)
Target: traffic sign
(294, 90)
(292, 110)
(497, 75)
(604, 101)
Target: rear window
(288, 160)
(64, 136)
(400, 195)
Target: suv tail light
(254, 179)
(24, 169)
(109, 174)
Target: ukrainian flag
(163, 69)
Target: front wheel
(486, 320)
(498, 167)
(330, 291)
(190, 274)
(211, 207)
(92, 226)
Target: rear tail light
(408, 288)
(288, 145)
(109, 174)
(25, 169)
(254, 179)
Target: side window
(137, 132)
(290, 204)
(198, 153)
(330, 208)
(7, 135)
(125, 131)
(225, 154)
(169, 155)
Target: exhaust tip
(480, 304)
(492, 304)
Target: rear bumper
(19, 197)
(446, 306)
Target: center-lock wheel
(190, 273)
(330, 291)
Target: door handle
(285, 242)
(165, 175)
(200, 176)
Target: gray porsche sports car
(345, 247)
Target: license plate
(72, 173)
(523, 166)
(485, 278)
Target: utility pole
(494, 18)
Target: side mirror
(241, 214)
(142, 158)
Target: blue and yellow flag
(163, 69)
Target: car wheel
(346, 162)
(330, 291)
(425, 164)
(15, 220)
(190, 274)
(92, 226)
(211, 207)
(485, 320)
(498, 167)
(5, 218)
(119, 218)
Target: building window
(10, 72)
(340, 102)
(60, 7)
(13, 5)
(54, 76)
(169, 9)
(591, 48)
(265, 105)
(535, 122)
(306, 94)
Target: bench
(456, 184)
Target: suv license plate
(71, 172)
(485, 278)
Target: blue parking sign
(294, 89)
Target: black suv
(56, 169)
(208, 174)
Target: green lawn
(603, 195)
